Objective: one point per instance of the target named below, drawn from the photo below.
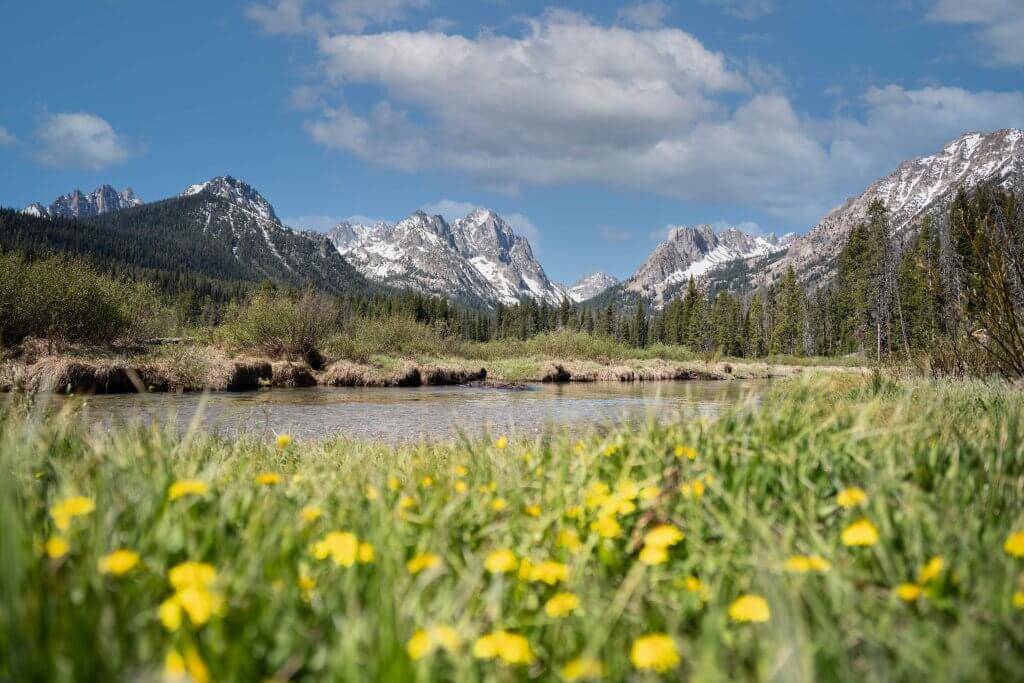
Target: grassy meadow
(849, 528)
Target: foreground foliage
(844, 530)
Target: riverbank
(205, 368)
(812, 538)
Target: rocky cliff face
(591, 285)
(77, 204)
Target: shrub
(395, 335)
(282, 326)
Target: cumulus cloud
(571, 101)
(744, 9)
(999, 25)
(292, 17)
(6, 137)
(80, 140)
(645, 14)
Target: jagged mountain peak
(77, 204)
(238, 192)
(590, 285)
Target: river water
(432, 413)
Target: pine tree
(788, 332)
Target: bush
(282, 326)
(395, 335)
(65, 299)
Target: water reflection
(433, 413)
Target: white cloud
(80, 140)
(292, 17)
(744, 9)
(645, 14)
(570, 101)
(304, 98)
(450, 209)
(999, 24)
(7, 138)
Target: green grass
(942, 464)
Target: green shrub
(395, 335)
(282, 326)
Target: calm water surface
(433, 413)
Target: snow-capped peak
(77, 204)
(237, 192)
(591, 285)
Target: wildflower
(283, 441)
(427, 482)
(908, 592)
(573, 512)
(663, 536)
(501, 562)
(427, 641)
(192, 574)
(119, 562)
(501, 443)
(372, 492)
(687, 452)
(461, 486)
(186, 487)
(749, 608)
(561, 604)
(610, 450)
(652, 555)
(306, 584)
(570, 540)
(861, 533)
(1018, 600)
(406, 502)
(1014, 544)
(340, 546)
(694, 585)
(803, 564)
(692, 490)
(498, 504)
(461, 470)
(606, 526)
(69, 508)
(190, 665)
(549, 572)
(56, 547)
(366, 553)
(851, 497)
(198, 603)
(310, 513)
(525, 569)
(421, 562)
(650, 492)
(170, 614)
(596, 494)
(510, 648)
(394, 484)
(583, 668)
(489, 487)
(930, 571)
(654, 652)
(268, 478)
(532, 510)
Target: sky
(592, 127)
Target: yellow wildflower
(461, 470)
(372, 492)
(583, 669)
(610, 450)
(427, 641)
(394, 484)
(561, 604)
(570, 540)
(170, 614)
(525, 569)
(510, 648)
(283, 440)
(654, 652)
(573, 512)
(498, 504)
(427, 482)
(461, 486)
(189, 666)
(750, 609)
(192, 574)
(653, 554)
(198, 603)
(931, 570)
(268, 478)
(663, 536)
(1014, 544)
(606, 526)
(501, 562)
(119, 562)
(532, 510)
(802, 564)
(650, 492)
(908, 592)
(1018, 600)
(310, 513)
(186, 487)
(501, 443)
(366, 553)
(340, 546)
(421, 562)
(56, 547)
(687, 452)
(851, 497)
(694, 585)
(549, 572)
(306, 584)
(861, 533)
(596, 494)
(692, 490)
(69, 508)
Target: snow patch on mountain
(77, 204)
(590, 285)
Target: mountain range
(227, 228)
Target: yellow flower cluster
(186, 487)
(657, 541)
(426, 642)
(70, 508)
(193, 596)
(343, 548)
(510, 648)
(749, 609)
(654, 652)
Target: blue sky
(592, 125)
